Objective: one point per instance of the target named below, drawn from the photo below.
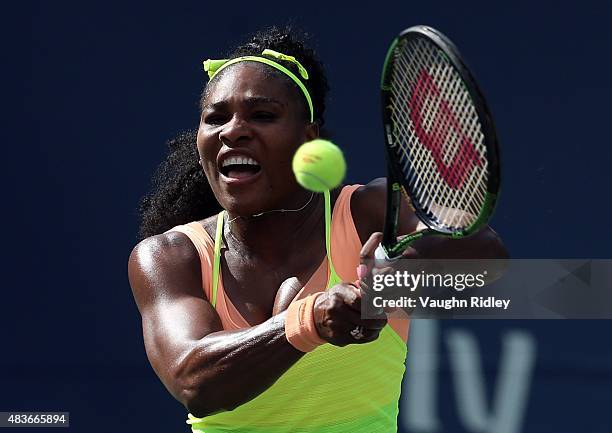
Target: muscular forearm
(228, 368)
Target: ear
(311, 131)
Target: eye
(215, 119)
(265, 116)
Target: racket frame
(395, 187)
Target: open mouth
(239, 167)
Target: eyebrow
(252, 101)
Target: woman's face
(251, 125)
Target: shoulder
(368, 207)
(163, 265)
(166, 247)
(376, 189)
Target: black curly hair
(180, 192)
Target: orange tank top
(345, 248)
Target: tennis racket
(441, 145)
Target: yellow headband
(213, 67)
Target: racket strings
(438, 136)
(418, 158)
(444, 128)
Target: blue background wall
(93, 91)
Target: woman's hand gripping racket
(441, 145)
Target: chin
(254, 197)
(243, 204)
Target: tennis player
(250, 317)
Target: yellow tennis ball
(319, 165)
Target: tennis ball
(319, 165)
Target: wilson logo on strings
(443, 127)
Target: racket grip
(380, 253)
(381, 259)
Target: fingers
(367, 251)
(344, 295)
(366, 255)
(338, 312)
(370, 266)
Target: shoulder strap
(333, 276)
(217, 258)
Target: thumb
(286, 293)
(366, 255)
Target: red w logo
(435, 139)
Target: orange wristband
(300, 328)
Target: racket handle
(381, 258)
(380, 253)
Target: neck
(276, 232)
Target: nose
(235, 131)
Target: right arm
(199, 363)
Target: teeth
(233, 160)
